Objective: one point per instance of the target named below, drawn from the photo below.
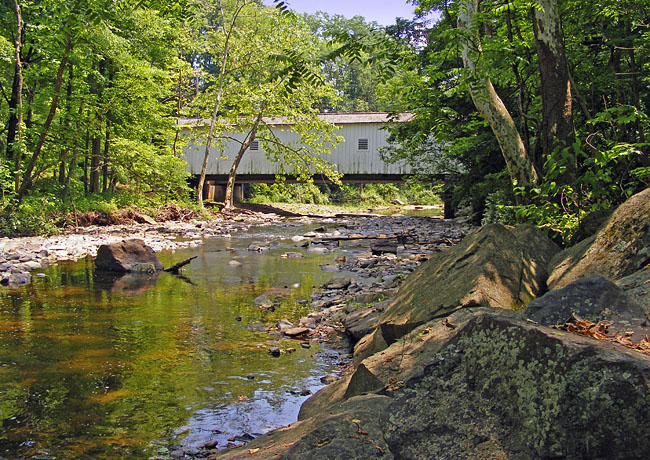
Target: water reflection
(127, 284)
(96, 367)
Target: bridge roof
(334, 118)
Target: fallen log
(176, 267)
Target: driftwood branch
(176, 267)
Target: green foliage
(604, 181)
(287, 193)
(34, 217)
(607, 49)
(346, 194)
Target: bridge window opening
(255, 145)
(362, 144)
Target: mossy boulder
(400, 361)
(620, 248)
(503, 388)
(496, 266)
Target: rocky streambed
(501, 347)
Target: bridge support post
(238, 193)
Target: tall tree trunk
(15, 145)
(106, 157)
(557, 119)
(230, 186)
(27, 177)
(217, 104)
(487, 101)
(66, 123)
(96, 149)
(95, 156)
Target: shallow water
(93, 367)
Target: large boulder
(620, 248)
(637, 286)
(396, 363)
(502, 388)
(127, 256)
(494, 267)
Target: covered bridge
(356, 156)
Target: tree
(97, 71)
(488, 102)
(265, 68)
(556, 83)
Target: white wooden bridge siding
(346, 155)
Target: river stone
(284, 325)
(296, 331)
(593, 298)
(262, 301)
(383, 247)
(620, 248)
(18, 279)
(495, 267)
(126, 256)
(338, 283)
(363, 321)
(255, 327)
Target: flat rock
(363, 321)
(295, 331)
(338, 282)
(262, 301)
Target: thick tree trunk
(557, 119)
(27, 176)
(230, 186)
(487, 101)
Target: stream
(97, 367)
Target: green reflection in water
(94, 367)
